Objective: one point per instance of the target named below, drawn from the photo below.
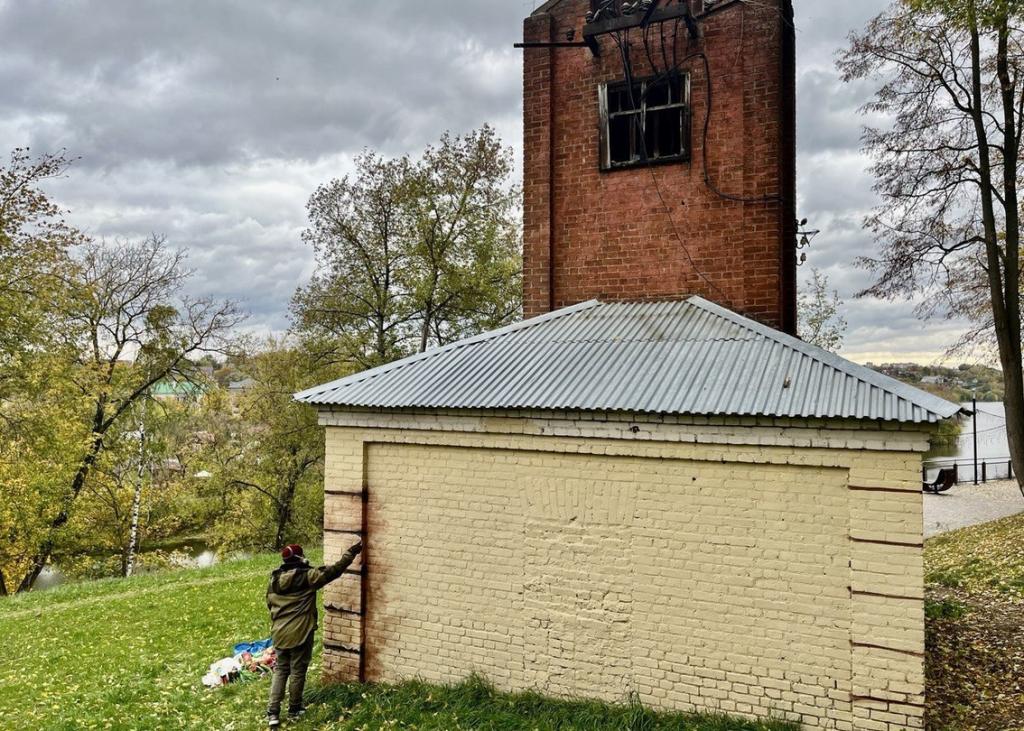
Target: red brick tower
(631, 192)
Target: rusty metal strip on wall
(363, 579)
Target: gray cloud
(834, 186)
(200, 83)
(213, 122)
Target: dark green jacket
(291, 598)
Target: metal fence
(963, 469)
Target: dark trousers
(291, 663)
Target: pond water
(189, 553)
(993, 447)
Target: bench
(943, 481)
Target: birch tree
(136, 507)
(818, 312)
(947, 164)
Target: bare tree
(948, 165)
(132, 328)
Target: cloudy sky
(212, 122)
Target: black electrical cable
(669, 69)
(628, 70)
(647, 51)
(627, 67)
(623, 45)
(675, 44)
(983, 431)
(679, 238)
(989, 413)
(664, 53)
(704, 143)
(706, 130)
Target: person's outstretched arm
(323, 575)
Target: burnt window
(649, 125)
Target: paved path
(969, 504)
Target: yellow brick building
(662, 499)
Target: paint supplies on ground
(251, 660)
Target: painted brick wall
(609, 235)
(708, 565)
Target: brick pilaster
(537, 135)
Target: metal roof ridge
(871, 377)
(723, 339)
(417, 357)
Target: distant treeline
(958, 384)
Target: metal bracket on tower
(611, 16)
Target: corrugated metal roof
(684, 357)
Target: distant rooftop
(685, 357)
(177, 389)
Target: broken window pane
(619, 100)
(657, 94)
(675, 85)
(664, 133)
(652, 127)
(620, 138)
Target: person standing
(291, 599)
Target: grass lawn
(129, 654)
(975, 628)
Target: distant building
(237, 388)
(180, 391)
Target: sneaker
(294, 713)
(273, 721)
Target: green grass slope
(129, 654)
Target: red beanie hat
(292, 551)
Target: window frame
(605, 118)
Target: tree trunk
(1001, 265)
(133, 528)
(1009, 340)
(284, 503)
(284, 515)
(428, 319)
(1013, 402)
(381, 344)
(3, 585)
(42, 556)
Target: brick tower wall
(609, 234)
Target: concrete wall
(740, 566)
(662, 231)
